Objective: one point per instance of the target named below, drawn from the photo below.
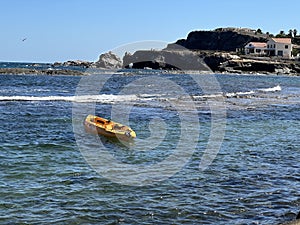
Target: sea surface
(53, 172)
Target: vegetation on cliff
(221, 39)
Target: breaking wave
(273, 89)
(82, 98)
(129, 98)
(235, 94)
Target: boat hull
(100, 126)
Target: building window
(280, 53)
(274, 46)
(286, 46)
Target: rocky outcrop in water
(23, 71)
(79, 63)
(165, 60)
(109, 60)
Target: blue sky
(60, 30)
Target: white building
(279, 47)
(257, 48)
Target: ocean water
(53, 172)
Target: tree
(281, 34)
(290, 33)
(295, 32)
(258, 31)
(269, 35)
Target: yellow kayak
(98, 125)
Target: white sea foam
(273, 89)
(230, 95)
(127, 98)
(81, 98)
(234, 94)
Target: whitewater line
(81, 98)
(105, 98)
(234, 94)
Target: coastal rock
(295, 67)
(165, 60)
(264, 66)
(216, 61)
(23, 71)
(222, 39)
(79, 63)
(108, 60)
(219, 50)
(284, 70)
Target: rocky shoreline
(169, 61)
(25, 71)
(252, 65)
(201, 52)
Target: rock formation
(218, 62)
(223, 39)
(23, 71)
(80, 63)
(254, 65)
(204, 51)
(108, 60)
(165, 60)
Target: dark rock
(108, 60)
(230, 63)
(80, 63)
(57, 64)
(165, 60)
(176, 59)
(22, 71)
(296, 67)
(224, 39)
(217, 61)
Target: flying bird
(24, 39)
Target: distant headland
(223, 50)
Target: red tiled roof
(283, 40)
(258, 44)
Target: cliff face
(219, 40)
(165, 59)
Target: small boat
(98, 125)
